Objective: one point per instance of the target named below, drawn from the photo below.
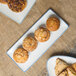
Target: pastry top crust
(71, 71)
(60, 66)
(64, 73)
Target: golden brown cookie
(53, 24)
(17, 5)
(3, 1)
(20, 55)
(30, 43)
(42, 34)
(60, 66)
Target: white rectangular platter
(42, 47)
(18, 17)
(52, 62)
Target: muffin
(17, 5)
(42, 34)
(29, 44)
(20, 55)
(53, 24)
(3, 1)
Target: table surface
(10, 32)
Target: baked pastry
(53, 24)
(71, 72)
(20, 55)
(74, 66)
(60, 66)
(29, 43)
(64, 73)
(42, 34)
(17, 5)
(3, 1)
